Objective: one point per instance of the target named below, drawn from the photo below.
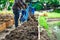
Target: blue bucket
(25, 14)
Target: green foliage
(38, 6)
(54, 2)
(57, 10)
(4, 2)
(42, 1)
(42, 22)
(11, 1)
(58, 24)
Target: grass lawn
(53, 15)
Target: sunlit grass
(53, 15)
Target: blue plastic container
(25, 14)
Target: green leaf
(42, 22)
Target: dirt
(27, 31)
(6, 17)
(53, 19)
(1, 23)
(44, 35)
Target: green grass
(53, 15)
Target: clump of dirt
(27, 31)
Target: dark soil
(44, 35)
(27, 31)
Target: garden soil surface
(27, 31)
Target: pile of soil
(27, 31)
(6, 17)
(44, 35)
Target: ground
(5, 32)
(50, 15)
